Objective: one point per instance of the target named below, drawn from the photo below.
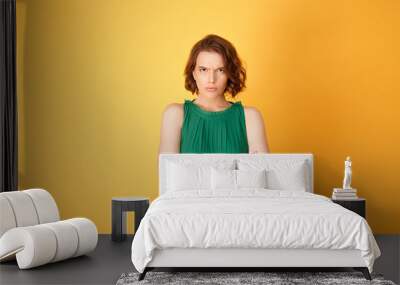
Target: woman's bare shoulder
(174, 108)
(251, 113)
(171, 128)
(256, 134)
(173, 111)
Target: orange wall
(95, 76)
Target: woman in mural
(210, 123)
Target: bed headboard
(164, 157)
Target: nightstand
(356, 205)
(121, 205)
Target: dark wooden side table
(121, 205)
(356, 205)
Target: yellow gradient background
(95, 75)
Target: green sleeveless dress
(213, 132)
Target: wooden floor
(111, 259)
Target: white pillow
(223, 179)
(189, 175)
(251, 178)
(287, 179)
(182, 177)
(237, 179)
(281, 174)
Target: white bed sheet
(250, 218)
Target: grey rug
(225, 278)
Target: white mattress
(250, 219)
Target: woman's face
(210, 74)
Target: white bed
(201, 220)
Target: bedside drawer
(357, 206)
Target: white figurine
(347, 174)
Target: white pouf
(31, 232)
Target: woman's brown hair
(233, 65)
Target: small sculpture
(347, 174)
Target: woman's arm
(256, 135)
(171, 125)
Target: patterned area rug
(225, 278)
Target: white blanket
(251, 218)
